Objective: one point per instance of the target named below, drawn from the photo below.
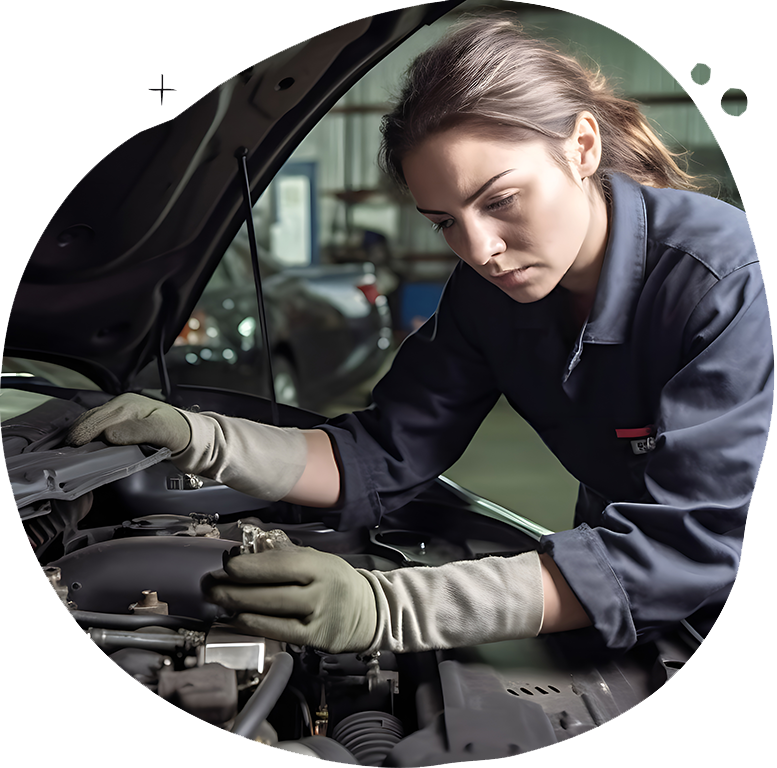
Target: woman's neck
(583, 277)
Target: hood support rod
(164, 376)
(242, 154)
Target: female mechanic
(619, 311)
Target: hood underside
(122, 263)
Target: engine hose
(113, 639)
(265, 697)
(132, 621)
(369, 736)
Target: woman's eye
(439, 226)
(503, 203)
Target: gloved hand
(307, 597)
(131, 419)
(298, 595)
(257, 459)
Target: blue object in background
(418, 302)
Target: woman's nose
(481, 245)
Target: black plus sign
(162, 90)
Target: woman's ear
(585, 146)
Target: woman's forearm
(563, 611)
(319, 485)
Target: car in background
(135, 254)
(330, 330)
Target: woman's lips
(512, 278)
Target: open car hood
(122, 263)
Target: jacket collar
(623, 269)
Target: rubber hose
(265, 697)
(137, 621)
(110, 640)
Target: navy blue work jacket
(659, 406)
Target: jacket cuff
(359, 505)
(582, 559)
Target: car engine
(125, 538)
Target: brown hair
(488, 76)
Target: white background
(75, 82)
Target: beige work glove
(306, 597)
(257, 459)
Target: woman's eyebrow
(472, 197)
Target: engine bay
(124, 539)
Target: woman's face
(511, 212)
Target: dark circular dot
(734, 102)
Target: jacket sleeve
(651, 564)
(424, 413)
